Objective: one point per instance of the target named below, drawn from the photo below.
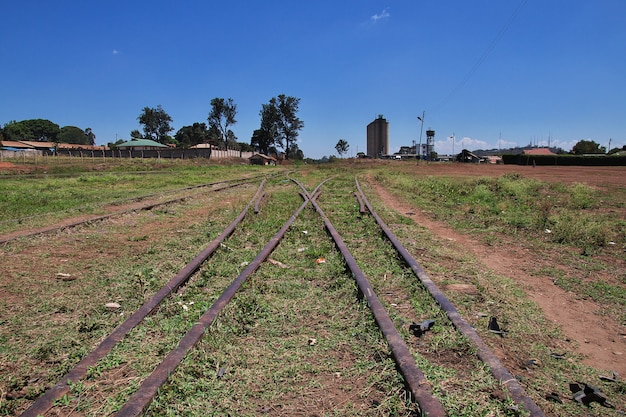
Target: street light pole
(421, 119)
(452, 143)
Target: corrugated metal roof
(14, 144)
(260, 155)
(539, 151)
(135, 143)
(37, 144)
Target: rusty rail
(419, 387)
(484, 352)
(142, 398)
(12, 236)
(46, 401)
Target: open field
(543, 249)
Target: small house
(260, 159)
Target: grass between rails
(51, 323)
(262, 339)
(39, 200)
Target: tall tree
(73, 134)
(587, 147)
(195, 134)
(91, 137)
(342, 147)
(280, 124)
(288, 124)
(156, 124)
(266, 137)
(221, 116)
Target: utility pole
(421, 119)
(453, 138)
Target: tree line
(278, 131)
(42, 130)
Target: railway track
(421, 395)
(144, 202)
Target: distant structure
(430, 143)
(378, 137)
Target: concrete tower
(378, 137)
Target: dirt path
(598, 338)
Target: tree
(587, 147)
(342, 147)
(222, 115)
(41, 130)
(231, 140)
(73, 134)
(91, 137)
(135, 134)
(113, 145)
(156, 124)
(289, 124)
(280, 123)
(265, 138)
(195, 134)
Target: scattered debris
(300, 250)
(221, 373)
(553, 396)
(277, 263)
(320, 261)
(112, 306)
(612, 378)
(481, 314)
(548, 231)
(557, 355)
(419, 329)
(532, 364)
(494, 327)
(587, 394)
(312, 341)
(65, 277)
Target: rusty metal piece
(484, 352)
(362, 208)
(417, 383)
(258, 202)
(46, 401)
(142, 398)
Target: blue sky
(491, 73)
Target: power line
(482, 58)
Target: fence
(168, 153)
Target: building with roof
(142, 145)
(538, 151)
(260, 159)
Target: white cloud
(447, 147)
(115, 52)
(383, 15)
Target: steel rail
(484, 352)
(417, 383)
(145, 196)
(148, 389)
(46, 401)
(94, 219)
